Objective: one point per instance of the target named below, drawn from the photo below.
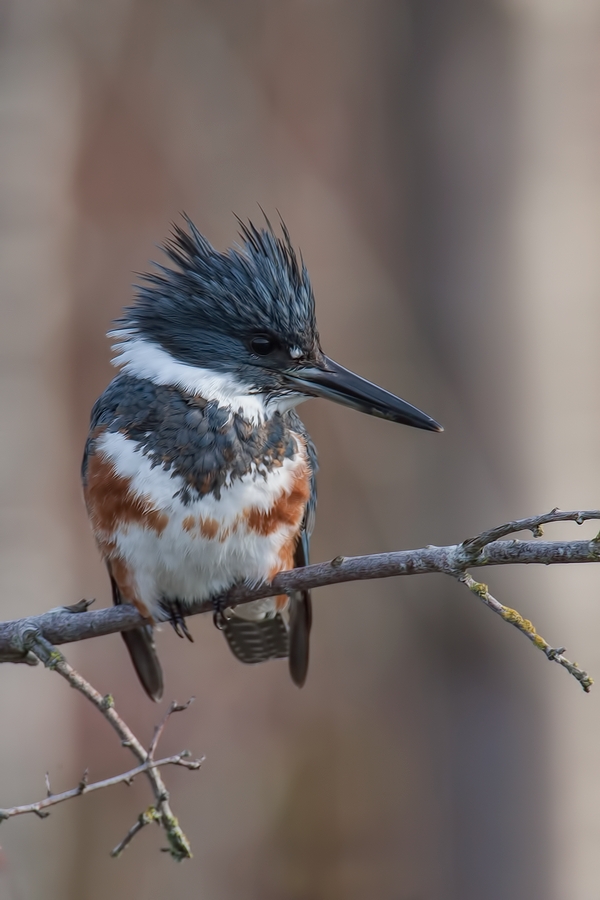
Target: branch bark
(61, 626)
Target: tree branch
(33, 638)
(61, 626)
(160, 812)
(179, 759)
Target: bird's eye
(262, 344)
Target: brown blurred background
(438, 163)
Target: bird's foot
(221, 612)
(175, 616)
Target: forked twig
(160, 812)
(173, 708)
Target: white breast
(205, 546)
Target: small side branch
(534, 524)
(145, 818)
(39, 808)
(554, 654)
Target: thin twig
(145, 818)
(179, 846)
(173, 708)
(179, 759)
(554, 654)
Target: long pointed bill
(334, 382)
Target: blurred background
(438, 164)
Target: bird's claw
(219, 613)
(176, 618)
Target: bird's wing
(139, 641)
(300, 601)
(142, 650)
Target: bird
(197, 472)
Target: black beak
(334, 382)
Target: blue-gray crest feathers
(206, 303)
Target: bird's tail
(300, 617)
(254, 642)
(142, 650)
(300, 622)
(273, 638)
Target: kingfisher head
(239, 327)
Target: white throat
(145, 359)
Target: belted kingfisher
(197, 472)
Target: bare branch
(179, 847)
(67, 624)
(179, 759)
